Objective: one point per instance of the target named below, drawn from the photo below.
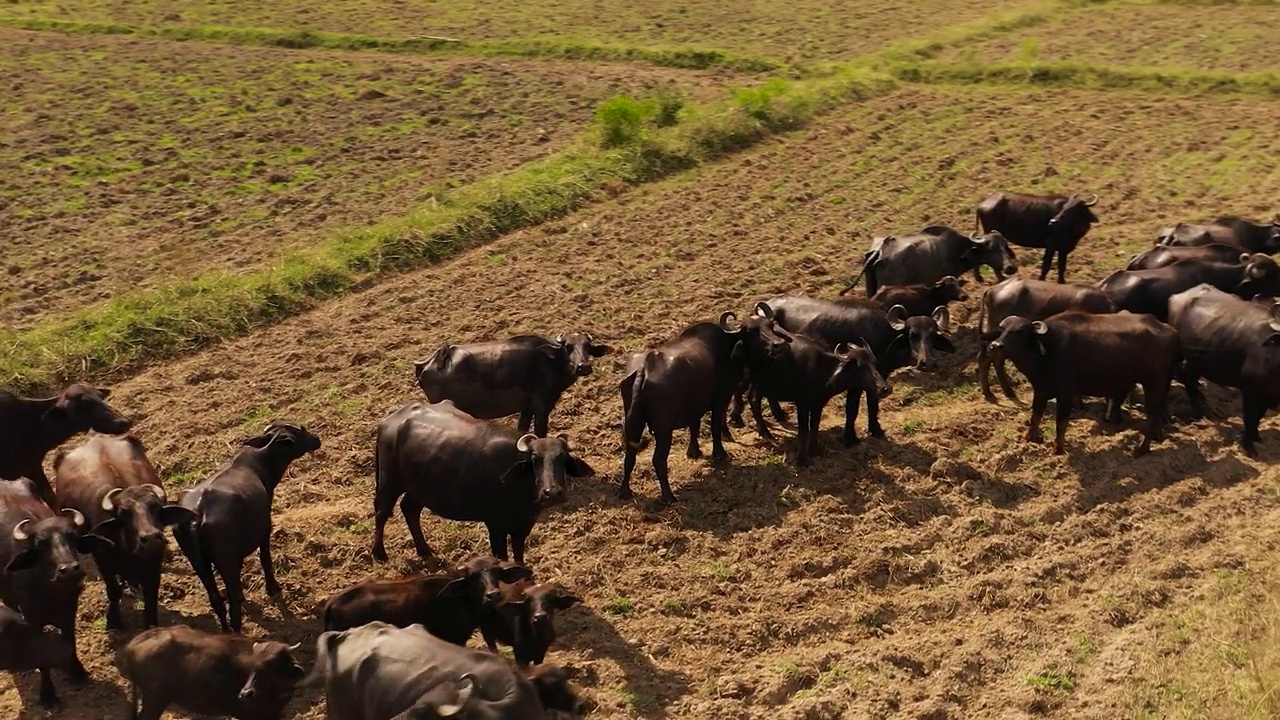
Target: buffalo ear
(567, 600)
(24, 560)
(943, 343)
(552, 351)
(176, 515)
(574, 467)
(455, 588)
(514, 574)
(260, 441)
(93, 542)
(108, 528)
(739, 350)
(599, 350)
(1272, 340)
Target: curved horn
(843, 351)
(19, 534)
(525, 443)
(942, 316)
(156, 490)
(560, 339)
(567, 444)
(763, 310)
(1275, 316)
(294, 647)
(108, 504)
(77, 517)
(866, 345)
(465, 685)
(1094, 201)
(898, 317)
(724, 316)
(1039, 327)
(1276, 220)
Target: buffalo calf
(525, 620)
(921, 299)
(1056, 223)
(24, 646)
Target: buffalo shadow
(86, 700)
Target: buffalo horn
(1275, 317)
(1276, 220)
(724, 317)
(843, 351)
(77, 517)
(567, 445)
(108, 504)
(897, 317)
(1039, 327)
(466, 684)
(19, 534)
(295, 647)
(560, 339)
(865, 345)
(156, 490)
(942, 316)
(1092, 202)
(525, 443)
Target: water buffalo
(42, 576)
(931, 255)
(676, 384)
(1053, 222)
(1034, 300)
(1075, 354)
(921, 299)
(1165, 255)
(1231, 342)
(1246, 235)
(233, 515)
(205, 674)
(525, 620)
(111, 482)
(461, 468)
(24, 646)
(525, 374)
(31, 428)
(1148, 291)
(378, 671)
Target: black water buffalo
(930, 255)
(676, 384)
(112, 483)
(31, 428)
(233, 515)
(206, 674)
(42, 576)
(461, 468)
(1165, 255)
(896, 340)
(525, 620)
(921, 299)
(1148, 291)
(25, 647)
(378, 671)
(809, 374)
(1230, 342)
(1034, 300)
(525, 374)
(1076, 354)
(1247, 235)
(1053, 222)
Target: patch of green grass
(721, 571)
(912, 426)
(873, 620)
(620, 606)
(1052, 679)
(1089, 77)
(673, 606)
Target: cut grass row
(1088, 77)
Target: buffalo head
(532, 614)
(1074, 218)
(49, 546)
(479, 579)
(923, 335)
(993, 251)
(292, 441)
(554, 690)
(138, 517)
(1021, 338)
(273, 674)
(550, 460)
(758, 336)
(950, 289)
(575, 351)
(83, 407)
(1261, 275)
(858, 368)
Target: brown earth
(951, 571)
(1221, 37)
(799, 30)
(138, 161)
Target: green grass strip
(126, 333)
(1088, 77)
(687, 58)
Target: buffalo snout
(551, 496)
(151, 539)
(69, 571)
(883, 388)
(1008, 270)
(582, 370)
(927, 364)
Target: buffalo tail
(634, 420)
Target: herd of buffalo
(1197, 304)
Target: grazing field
(950, 571)
(1220, 37)
(790, 31)
(136, 161)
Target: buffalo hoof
(1058, 449)
(1140, 451)
(115, 624)
(668, 499)
(693, 453)
(989, 397)
(1249, 449)
(736, 421)
(850, 439)
(767, 436)
(78, 675)
(624, 493)
(380, 554)
(1034, 438)
(877, 432)
(50, 702)
(783, 420)
(720, 455)
(274, 590)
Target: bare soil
(136, 161)
(950, 571)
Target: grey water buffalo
(896, 341)
(676, 384)
(525, 374)
(25, 647)
(1165, 255)
(378, 671)
(1242, 233)
(1056, 223)
(931, 255)
(462, 468)
(921, 299)
(525, 620)
(449, 605)
(809, 374)
(33, 427)
(43, 578)
(1034, 300)
(113, 484)
(232, 515)
(1148, 291)
(1076, 354)
(1230, 342)
(207, 674)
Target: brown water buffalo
(921, 299)
(1246, 235)
(1053, 222)
(233, 515)
(1034, 300)
(42, 576)
(525, 374)
(449, 605)
(207, 674)
(525, 620)
(112, 483)
(1165, 255)
(378, 671)
(676, 384)
(931, 255)
(1075, 354)
(25, 647)
(461, 468)
(1231, 342)
(1148, 291)
(31, 428)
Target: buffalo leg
(778, 413)
(761, 426)
(1063, 414)
(815, 422)
(151, 600)
(230, 571)
(48, 696)
(1190, 378)
(802, 435)
(873, 415)
(1039, 402)
(204, 570)
(541, 420)
(1006, 382)
(1254, 409)
(268, 568)
(522, 424)
(1062, 267)
(384, 502)
(497, 542)
(1114, 412)
(1045, 262)
(628, 467)
(984, 373)
(739, 402)
(114, 593)
(977, 275)
(412, 512)
(695, 451)
(76, 672)
(518, 538)
(718, 453)
(851, 401)
(661, 451)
